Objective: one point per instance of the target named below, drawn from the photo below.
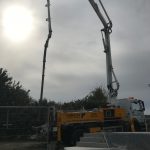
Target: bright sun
(17, 23)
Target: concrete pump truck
(134, 108)
(124, 115)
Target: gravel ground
(22, 146)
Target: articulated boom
(112, 82)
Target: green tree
(43, 102)
(11, 92)
(96, 98)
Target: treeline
(96, 98)
(12, 93)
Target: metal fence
(22, 120)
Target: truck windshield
(136, 106)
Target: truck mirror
(142, 105)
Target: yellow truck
(68, 127)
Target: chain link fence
(23, 127)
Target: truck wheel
(76, 136)
(134, 125)
(126, 127)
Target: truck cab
(134, 112)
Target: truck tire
(76, 136)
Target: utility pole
(45, 47)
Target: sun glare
(17, 23)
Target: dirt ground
(22, 146)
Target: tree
(11, 92)
(5, 86)
(43, 102)
(96, 98)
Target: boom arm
(112, 82)
(45, 48)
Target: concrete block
(92, 139)
(92, 144)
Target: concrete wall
(129, 141)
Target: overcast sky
(75, 59)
